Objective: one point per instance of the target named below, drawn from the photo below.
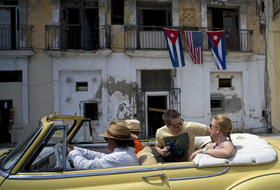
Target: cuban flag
(217, 43)
(174, 45)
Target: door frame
(157, 93)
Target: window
(156, 79)
(80, 25)
(10, 76)
(225, 83)
(117, 9)
(81, 86)
(9, 27)
(217, 104)
(91, 110)
(157, 14)
(49, 155)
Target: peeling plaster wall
(273, 65)
(117, 73)
(39, 15)
(233, 97)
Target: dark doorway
(157, 105)
(5, 120)
(228, 20)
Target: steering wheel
(58, 152)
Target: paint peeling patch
(98, 94)
(68, 100)
(233, 105)
(123, 87)
(69, 80)
(123, 111)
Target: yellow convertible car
(40, 162)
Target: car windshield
(13, 156)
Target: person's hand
(195, 153)
(165, 151)
(69, 148)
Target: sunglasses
(177, 124)
(211, 125)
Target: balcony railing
(15, 37)
(152, 37)
(60, 37)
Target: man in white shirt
(121, 147)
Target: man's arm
(159, 146)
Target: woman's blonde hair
(224, 123)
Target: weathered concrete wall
(40, 13)
(190, 13)
(40, 87)
(113, 75)
(273, 65)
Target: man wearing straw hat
(134, 126)
(121, 147)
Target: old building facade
(108, 60)
(273, 60)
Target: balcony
(17, 37)
(60, 37)
(152, 37)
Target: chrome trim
(198, 177)
(3, 174)
(178, 167)
(162, 175)
(30, 177)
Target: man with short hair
(121, 147)
(175, 140)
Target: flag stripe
(194, 43)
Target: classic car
(40, 162)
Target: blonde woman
(221, 146)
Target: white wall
(120, 71)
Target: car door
(48, 168)
(185, 174)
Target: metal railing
(152, 37)
(61, 37)
(15, 36)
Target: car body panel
(176, 175)
(116, 178)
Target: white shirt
(88, 159)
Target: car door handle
(162, 175)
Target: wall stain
(126, 89)
(233, 105)
(124, 111)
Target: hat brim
(132, 137)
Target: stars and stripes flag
(217, 43)
(194, 43)
(174, 45)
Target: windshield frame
(8, 162)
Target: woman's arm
(226, 151)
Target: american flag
(194, 42)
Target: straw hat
(133, 125)
(118, 130)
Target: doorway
(156, 106)
(5, 120)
